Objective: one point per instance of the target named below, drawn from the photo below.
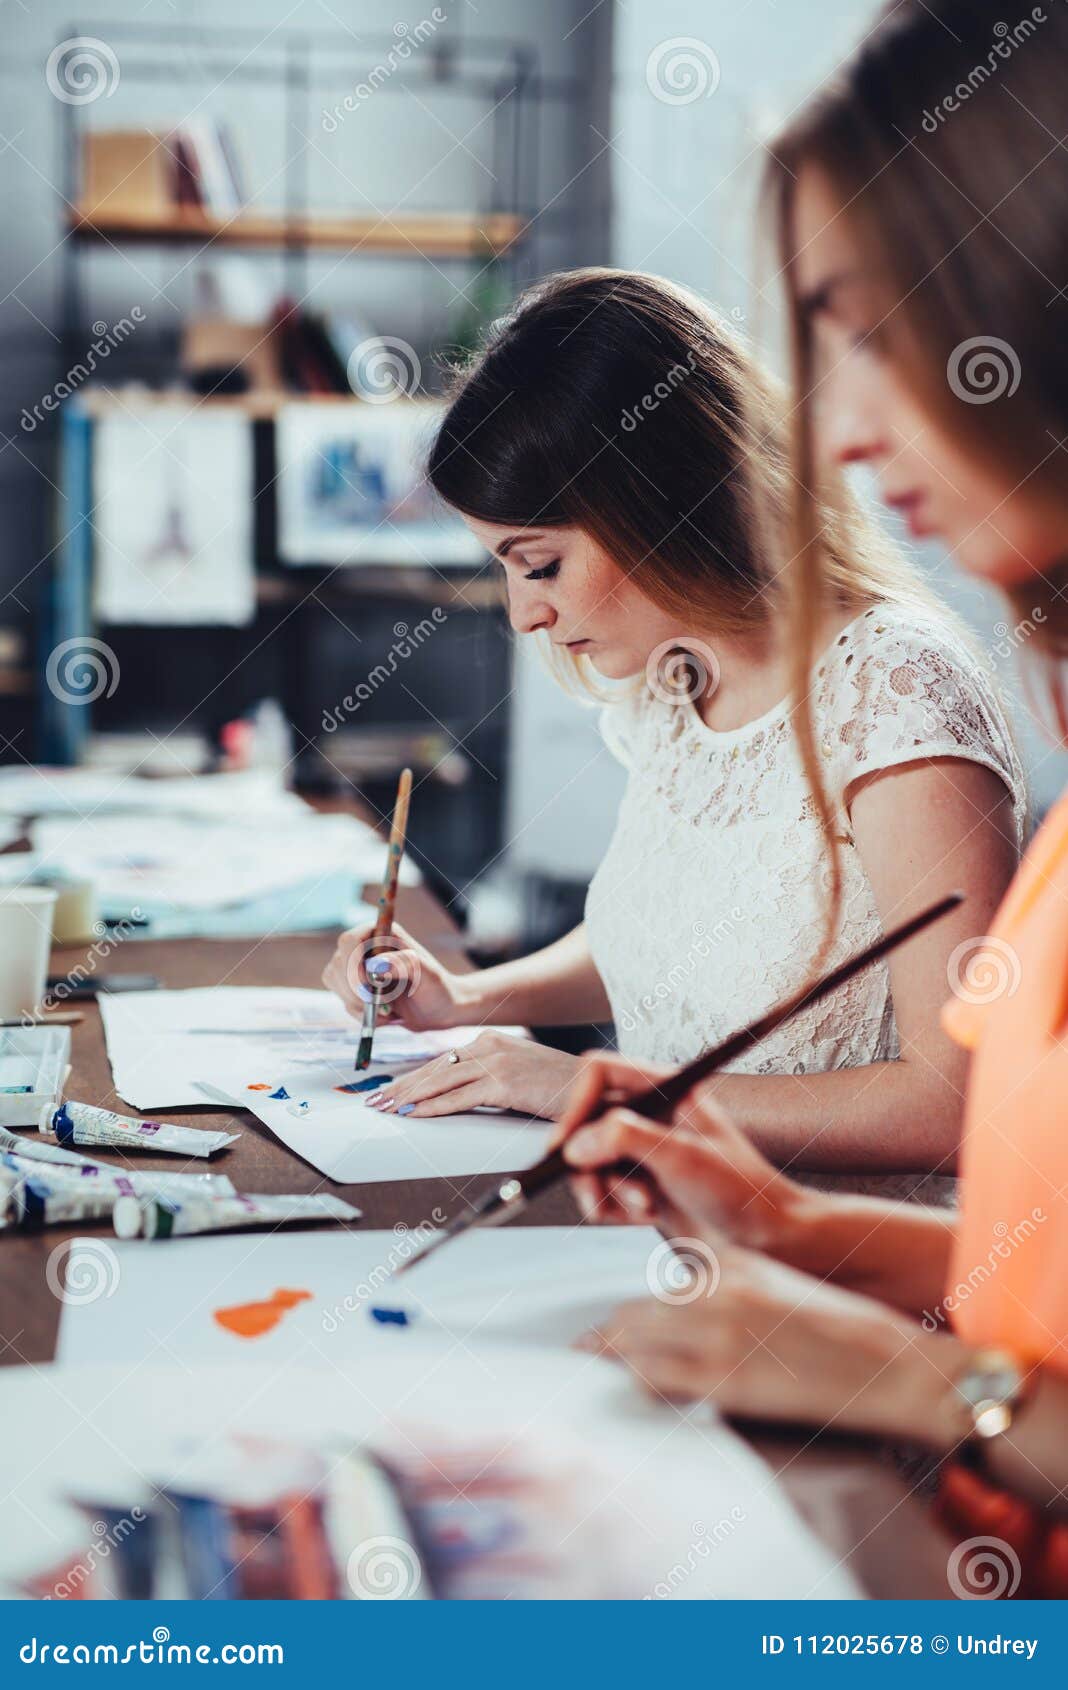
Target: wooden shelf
(415, 235)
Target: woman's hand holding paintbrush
(658, 1102)
(696, 1174)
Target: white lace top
(708, 906)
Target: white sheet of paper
(707, 1516)
(542, 1286)
(164, 1045)
(172, 521)
(336, 1132)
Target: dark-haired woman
(619, 452)
(927, 268)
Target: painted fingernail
(585, 1203)
(635, 1201)
(386, 1103)
(406, 1109)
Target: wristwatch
(994, 1389)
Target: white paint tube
(165, 1218)
(82, 1123)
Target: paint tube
(165, 1218)
(81, 1123)
(141, 1182)
(37, 1202)
(41, 1150)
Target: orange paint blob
(260, 1086)
(252, 1320)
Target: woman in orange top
(922, 214)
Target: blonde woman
(927, 274)
(619, 452)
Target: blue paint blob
(370, 1084)
(389, 1317)
(281, 1092)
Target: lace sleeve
(903, 691)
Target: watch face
(996, 1380)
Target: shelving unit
(298, 611)
(441, 236)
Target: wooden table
(853, 1499)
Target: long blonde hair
(957, 192)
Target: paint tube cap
(126, 1217)
(46, 1124)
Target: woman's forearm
(914, 1395)
(890, 1117)
(896, 1252)
(555, 987)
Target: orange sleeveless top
(1008, 1283)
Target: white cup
(25, 945)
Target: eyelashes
(547, 573)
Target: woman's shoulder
(903, 682)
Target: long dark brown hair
(622, 404)
(942, 142)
